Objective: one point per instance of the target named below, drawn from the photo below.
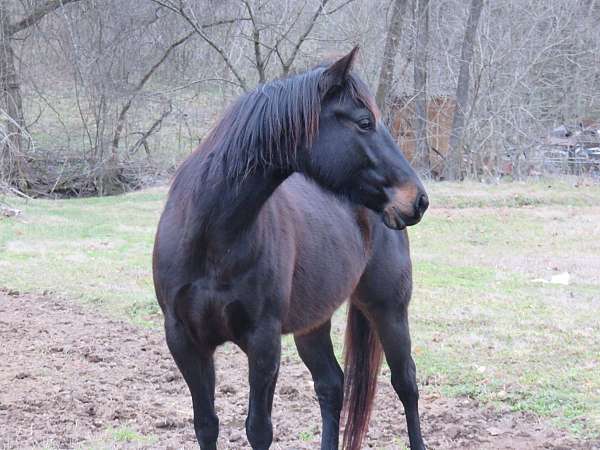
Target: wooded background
(101, 96)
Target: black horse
(269, 227)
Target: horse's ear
(336, 74)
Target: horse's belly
(331, 240)
(325, 275)
(310, 309)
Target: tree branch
(259, 62)
(199, 30)
(337, 8)
(282, 36)
(303, 36)
(138, 88)
(142, 141)
(37, 15)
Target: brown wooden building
(440, 113)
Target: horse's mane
(265, 126)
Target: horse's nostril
(422, 204)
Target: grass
(96, 249)
(306, 436)
(126, 434)
(118, 438)
(484, 322)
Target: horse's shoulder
(306, 196)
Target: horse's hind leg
(263, 347)
(384, 292)
(316, 350)
(197, 367)
(392, 328)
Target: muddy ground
(70, 377)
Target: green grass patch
(96, 249)
(569, 191)
(306, 436)
(126, 434)
(119, 437)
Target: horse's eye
(365, 124)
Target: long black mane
(263, 127)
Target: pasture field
(490, 328)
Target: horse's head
(353, 153)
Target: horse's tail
(362, 354)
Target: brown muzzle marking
(403, 200)
(400, 206)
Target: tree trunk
(420, 78)
(392, 43)
(14, 165)
(258, 59)
(453, 165)
(260, 64)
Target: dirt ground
(72, 378)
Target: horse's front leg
(196, 365)
(316, 350)
(263, 347)
(392, 327)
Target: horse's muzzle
(405, 208)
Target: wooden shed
(440, 113)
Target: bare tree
(102, 92)
(111, 172)
(286, 63)
(277, 32)
(392, 44)
(187, 12)
(420, 80)
(117, 59)
(453, 165)
(13, 164)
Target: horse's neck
(232, 209)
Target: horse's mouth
(392, 219)
(405, 207)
